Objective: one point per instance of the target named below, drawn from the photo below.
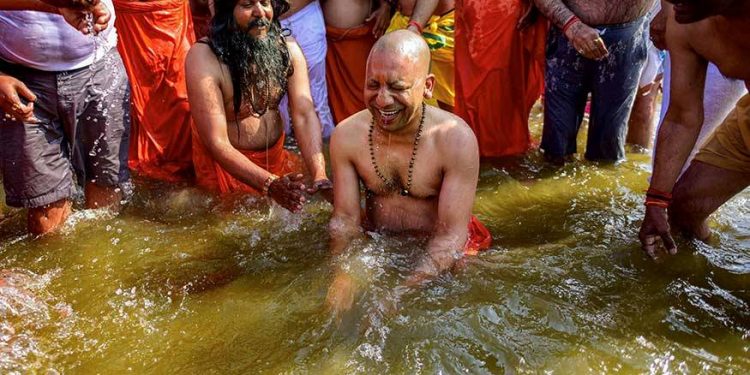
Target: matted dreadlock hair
(254, 75)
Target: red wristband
(658, 193)
(657, 203)
(570, 22)
(415, 24)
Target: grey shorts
(83, 132)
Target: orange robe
(212, 177)
(345, 68)
(154, 38)
(479, 237)
(499, 73)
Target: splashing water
(195, 285)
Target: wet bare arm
(684, 118)
(454, 207)
(555, 10)
(678, 132)
(304, 118)
(345, 224)
(203, 76)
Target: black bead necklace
(388, 182)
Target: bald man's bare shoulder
(451, 131)
(351, 133)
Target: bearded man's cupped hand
(288, 191)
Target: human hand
(324, 187)
(658, 30)
(656, 226)
(11, 91)
(340, 297)
(81, 20)
(586, 41)
(288, 191)
(529, 17)
(382, 17)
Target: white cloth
(652, 67)
(655, 57)
(719, 98)
(308, 28)
(44, 41)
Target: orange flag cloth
(499, 73)
(345, 68)
(479, 237)
(212, 177)
(154, 38)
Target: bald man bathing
(419, 170)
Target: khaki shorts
(729, 145)
(83, 132)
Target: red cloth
(153, 39)
(345, 68)
(479, 237)
(212, 177)
(499, 73)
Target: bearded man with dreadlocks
(235, 79)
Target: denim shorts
(83, 132)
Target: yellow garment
(729, 145)
(438, 33)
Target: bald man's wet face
(395, 87)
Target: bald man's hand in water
(655, 227)
(323, 187)
(11, 92)
(340, 297)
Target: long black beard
(259, 67)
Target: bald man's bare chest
(393, 162)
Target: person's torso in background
(45, 41)
(608, 12)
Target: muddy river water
(178, 283)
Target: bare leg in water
(642, 116)
(41, 220)
(701, 191)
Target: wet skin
(210, 93)
(444, 174)
(717, 35)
